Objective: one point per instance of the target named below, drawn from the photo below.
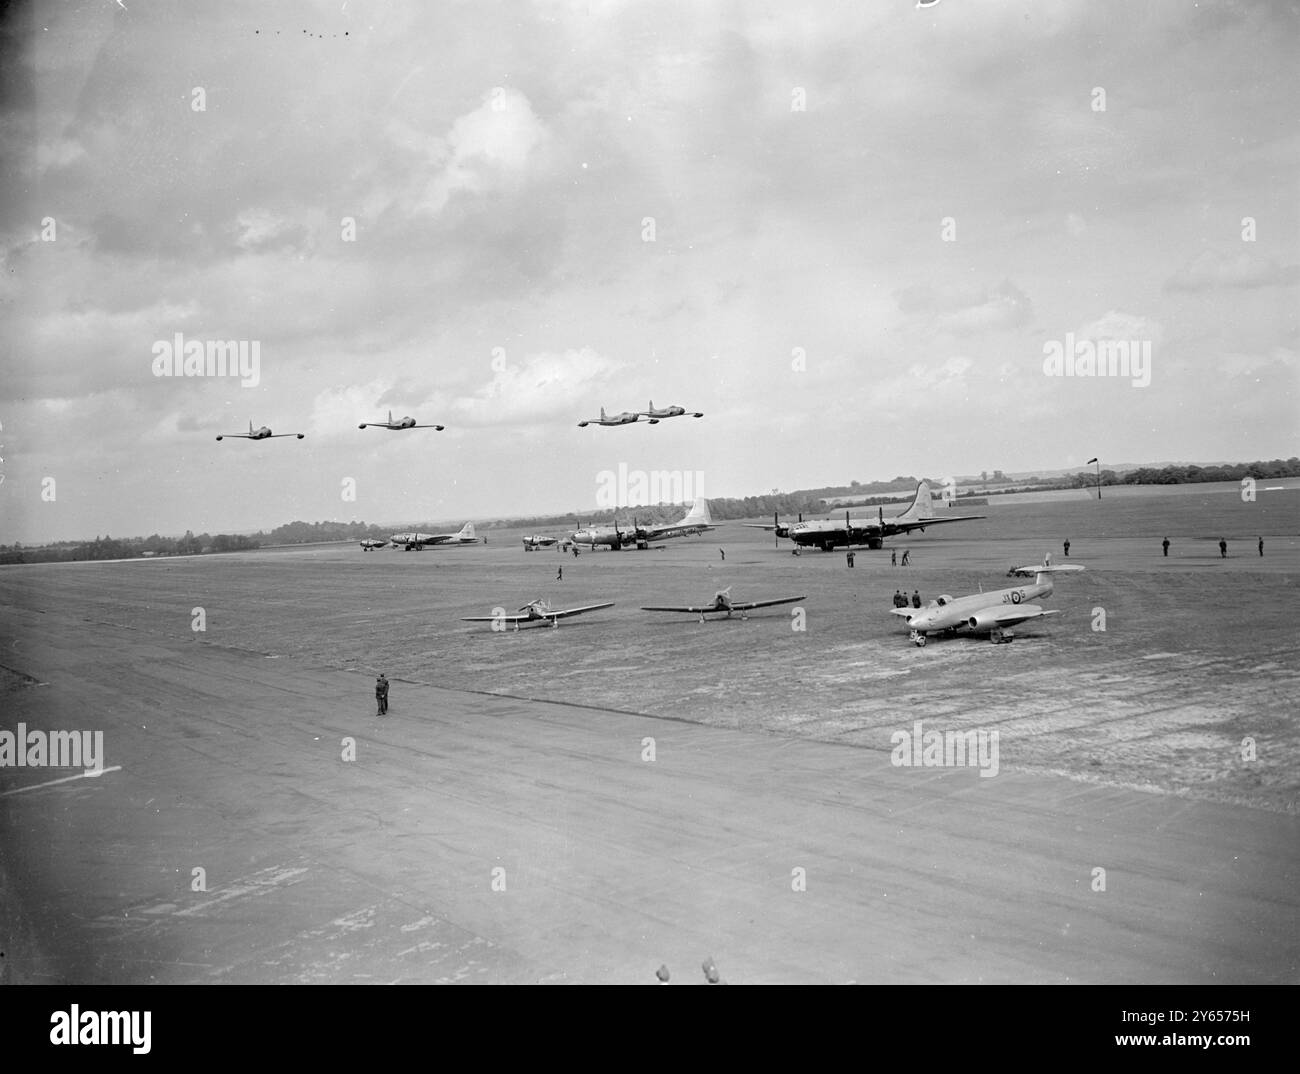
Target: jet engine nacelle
(983, 621)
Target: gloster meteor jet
(985, 613)
(264, 433)
(722, 602)
(399, 424)
(536, 611)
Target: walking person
(1261, 546)
(1067, 548)
(893, 557)
(559, 575)
(907, 552)
(381, 695)
(1165, 545)
(722, 552)
(1223, 548)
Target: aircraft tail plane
(467, 531)
(922, 505)
(698, 514)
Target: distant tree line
(785, 504)
(126, 548)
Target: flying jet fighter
(536, 611)
(669, 412)
(398, 425)
(985, 613)
(263, 433)
(536, 541)
(369, 545)
(722, 602)
(828, 534)
(625, 418)
(415, 541)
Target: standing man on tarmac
(381, 695)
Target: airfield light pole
(1098, 462)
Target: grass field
(1198, 654)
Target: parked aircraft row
(628, 417)
(697, 520)
(539, 610)
(993, 613)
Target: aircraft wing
(905, 612)
(760, 526)
(892, 527)
(1019, 613)
(577, 611)
(745, 606)
(688, 608)
(495, 618)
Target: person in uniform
(381, 695)
(1223, 548)
(1165, 545)
(916, 598)
(1067, 548)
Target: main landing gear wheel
(918, 639)
(1001, 637)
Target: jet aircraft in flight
(627, 417)
(398, 425)
(264, 433)
(669, 412)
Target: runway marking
(89, 773)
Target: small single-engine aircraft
(413, 542)
(722, 602)
(399, 424)
(828, 534)
(370, 545)
(536, 611)
(985, 613)
(263, 433)
(625, 418)
(536, 541)
(669, 412)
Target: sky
(849, 233)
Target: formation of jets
(985, 613)
(828, 534)
(722, 602)
(263, 433)
(697, 520)
(629, 417)
(536, 611)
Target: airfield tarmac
(1119, 749)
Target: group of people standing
(900, 599)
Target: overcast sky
(803, 165)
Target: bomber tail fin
(698, 515)
(467, 530)
(922, 506)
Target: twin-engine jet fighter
(398, 425)
(985, 613)
(669, 412)
(828, 534)
(413, 542)
(537, 611)
(722, 602)
(627, 417)
(264, 433)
